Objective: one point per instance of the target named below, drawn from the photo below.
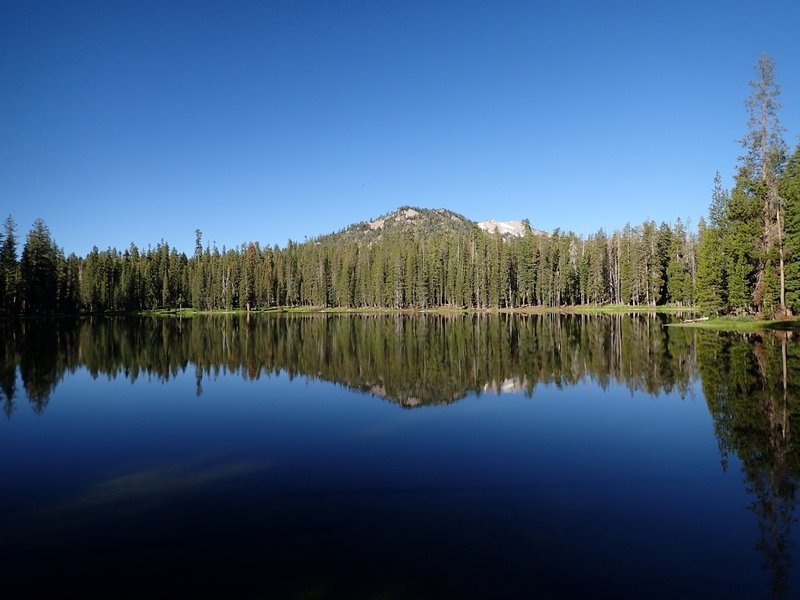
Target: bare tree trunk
(780, 263)
(785, 385)
(619, 269)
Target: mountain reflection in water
(409, 360)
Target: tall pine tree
(38, 270)
(9, 268)
(764, 158)
(790, 192)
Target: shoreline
(724, 323)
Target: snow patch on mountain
(506, 228)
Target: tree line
(744, 259)
(643, 265)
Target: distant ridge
(419, 221)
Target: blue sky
(266, 121)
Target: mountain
(412, 219)
(423, 221)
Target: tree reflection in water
(753, 402)
(409, 360)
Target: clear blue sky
(266, 121)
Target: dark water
(397, 457)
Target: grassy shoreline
(731, 324)
(742, 324)
(442, 310)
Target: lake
(356, 456)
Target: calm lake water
(398, 457)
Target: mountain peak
(417, 215)
(423, 221)
(415, 219)
(402, 214)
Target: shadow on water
(747, 380)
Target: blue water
(301, 487)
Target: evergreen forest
(743, 259)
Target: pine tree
(9, 268)
(720, 199)
(626, 265)
(677, 281)
(765, 155)
(38, 270)
(660, 261)
(790, 192)
(711, 274)
(69, 301)
(740, 243)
